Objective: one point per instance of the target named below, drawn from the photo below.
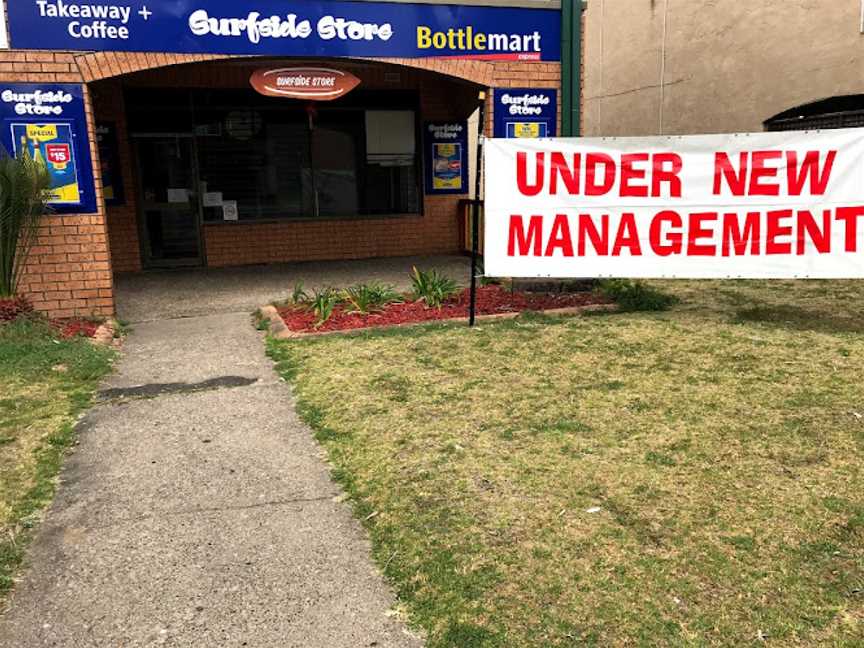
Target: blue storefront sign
(525, 112)
(49, 123)
(445, 147)
(276, 27)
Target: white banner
(758, 205)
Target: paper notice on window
(178, 195)
(213, 199)
(229, 210)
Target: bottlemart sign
(277, 27)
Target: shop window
(277, 158)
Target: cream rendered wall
(710, 66)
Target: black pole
(475, 208)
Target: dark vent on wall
(837, 112)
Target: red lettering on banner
(774, 230)
(760, 172)
(850, 216)
(627, 236)
(560, 237)
(522, 174)
(588, 231)
(696, 231)
(723, 167)
(674, 238)
(809, 168)
(821, 237)
(592, 161)
(661, 175)
(630, 173)
(560, 169)
(736, 238)
(525, 240)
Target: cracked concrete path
(197, 510)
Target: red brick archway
(103, 65)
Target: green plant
(635, 296)
(322, 302)
(365, 298)
(299, 296)
(24, 186)
(432, 287)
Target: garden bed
(70, 327)
(491, 300)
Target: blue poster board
(445, 146)
(276, 27)
(49, 122)
(525, 112)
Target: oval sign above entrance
(311, 83)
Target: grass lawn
(44, 384)
(685, 478)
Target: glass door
(169, 201)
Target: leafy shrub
(24, 187)
(365, 298)
(299, 296)
(635, 295)
(14, 308)
(432, 287)
(322, 302)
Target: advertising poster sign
(525, 112)
(760, 205)
(308, 28)
(48, 121)
(446, 146)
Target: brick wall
(69, 270)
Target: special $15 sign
(761, 205)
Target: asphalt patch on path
(153, 390)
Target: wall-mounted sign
(49, 122)
(446, 157)
(310, 83)
(525, 112)
(758, 205)
(109, 163)
(274, 27)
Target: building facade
(676, 67)
(230, 133)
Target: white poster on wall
(760, 205)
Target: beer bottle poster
(48, 122)
(52, 145)
(446, 145)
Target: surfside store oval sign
(310, 83)
(277, 27)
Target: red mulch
(11, 309)
(70, 328)
(491, 300)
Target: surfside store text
(289, 28)
(762, 205)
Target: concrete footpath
(198, 511)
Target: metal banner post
(475, 208)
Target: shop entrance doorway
(170, 201)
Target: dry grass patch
(45, 383)
(685, 478)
